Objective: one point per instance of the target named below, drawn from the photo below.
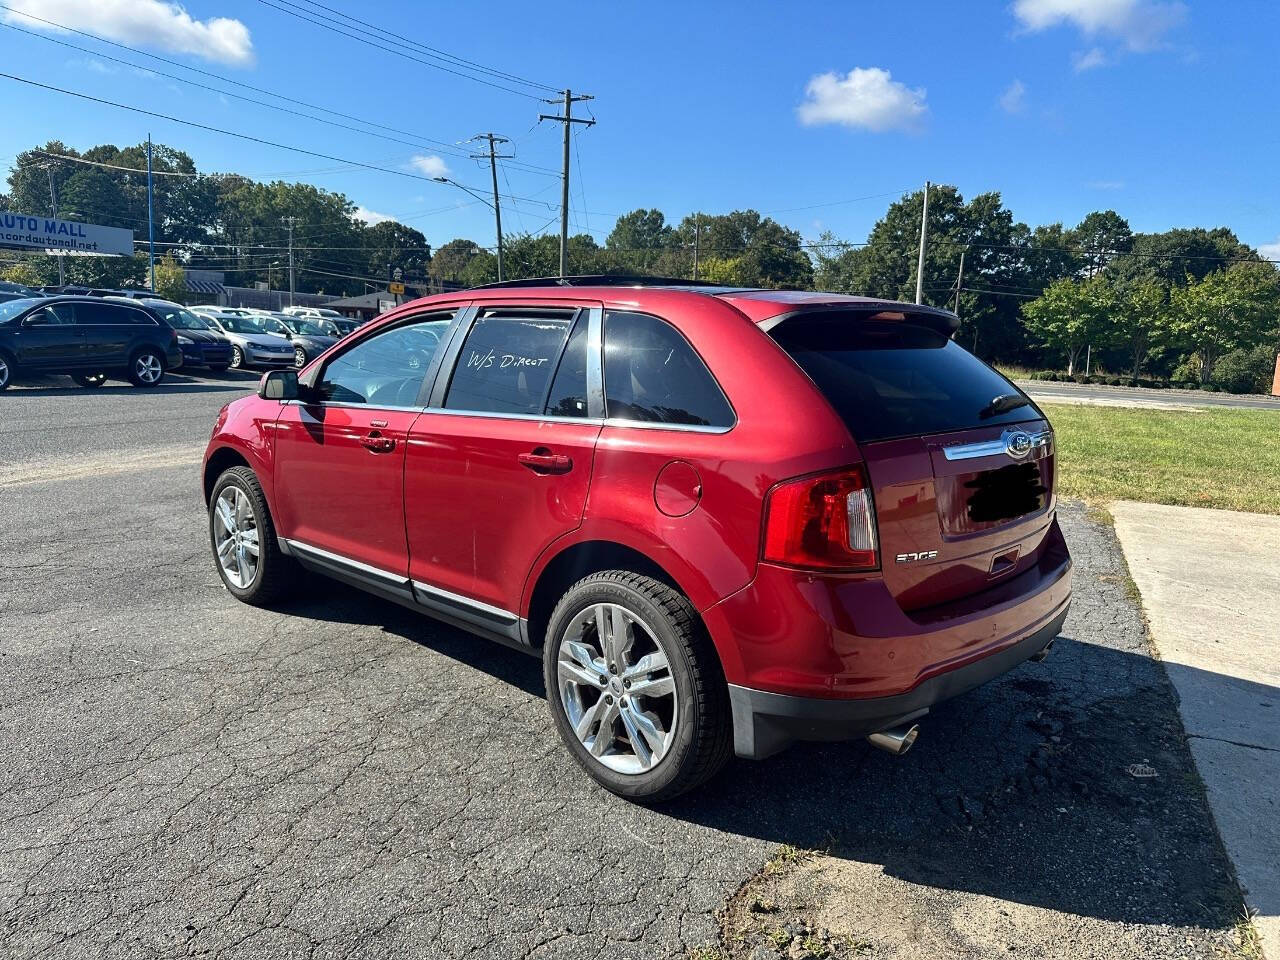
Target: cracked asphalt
(183, 775)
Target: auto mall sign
(63, 236)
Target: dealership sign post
(63, 236)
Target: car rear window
(890, 379)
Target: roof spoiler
(943, 322)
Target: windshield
(313, 328)
(181, 319)
(249, 325)
(889, 380)
(12, 308)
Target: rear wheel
(237, 357)
(245, 550)
(6, 370)
(89, 379)
(635, 687)
(146, 369)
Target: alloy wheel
(237, 357)
(616, 686)
(5, 373)
(299, 357)
(148, 368)
(235, 536)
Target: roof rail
(599, 280)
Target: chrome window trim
(1041, 446)
(347, 406)
(306, 548)
(618, 422)
(491, 415)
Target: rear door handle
(544, 461)
(377, 443)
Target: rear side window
(651, 374)
(895, 379)
(108, 314)
(508, 360)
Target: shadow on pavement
(229, 381)
(1020, 790)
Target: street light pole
(290, 221)
(151, 219)
(53, 200)
(493, 170)
(924, 231)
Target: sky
(817, 114)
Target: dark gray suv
(86, 337)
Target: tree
(394, 243)
(1178, 256)
(639, 239)
(171, 279)
(768, 254)
(24, 272)
(1226, 310)
(451, 260)
(1100, 236)
(1140, 318)
(1070, 315)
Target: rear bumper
(764, 723)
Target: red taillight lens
(825, 522)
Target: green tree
(768, 254)
(1100, 236)
(171, 280)
(1139, 320)
(451, 260)
(638, 240)
(1070, 315)
(394, 243)
(1232, 309)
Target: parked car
(252, 345)
(324, 313)
(725, 519)
(311, 336)
(88, 338)
(345, 325)
(202, 346)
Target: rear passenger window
(508, 360)
(652, 374)
(568, 396)
(106, 314)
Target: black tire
(703, 736)
(146, 368)
(6, 370)
(237, 357)
(217, 368)
(299, 357)
(276, 573)
(91, 380)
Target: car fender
(247, 427)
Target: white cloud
(1089, 59)
(866, 97)
(153, 23)
(1140, 24)
(1270, 251)
(430, 165)
(371, 217)
(1014, 98)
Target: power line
(390, 49)
(114, 166)
(462, 61)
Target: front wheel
(243, 538)
(237, 357)
(6, 371)
(299, 357)
(635, 686)
(146, 369)
(90, 379)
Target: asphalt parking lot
(187, 776)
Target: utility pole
(53, 200)
(567, 120)
(151, 219)
(924, 230)
(493, 169)
(960, 280)
(290, 221)
(697, 230)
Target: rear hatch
(960, 462)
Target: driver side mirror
(279, 385)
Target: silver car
(251, 344)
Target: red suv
(726, 519)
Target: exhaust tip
(896, 740)
(1039, 655)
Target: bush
(1246, 371)
(1188, 371)
(1210, 387)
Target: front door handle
(543, 460)
(377, 443)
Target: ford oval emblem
(1017, 444)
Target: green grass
(1228, 459)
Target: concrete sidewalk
(1210, 584)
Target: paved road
(1051, 391)
(186, 775)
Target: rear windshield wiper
(1003, 404)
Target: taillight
(825, 522)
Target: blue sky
(1165, 111)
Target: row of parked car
(93, 335)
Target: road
(186, 775)
(1052, 391)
